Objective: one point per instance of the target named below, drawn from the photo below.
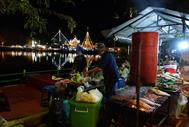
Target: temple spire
(87, 42)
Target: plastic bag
(96, 94)
(119, 84)
(181, 104)
(85, 97)
(92, 96)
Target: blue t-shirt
(109, 67)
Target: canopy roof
(168, 23)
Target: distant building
(87, 42)
(59, 40)
(74, 42)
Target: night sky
(94, 15)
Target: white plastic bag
(85, 97)
(96, 94)
(181, 104)
(93, 96)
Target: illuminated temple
(87, 42)
(74, 42)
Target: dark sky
(96, 15)
(12, 29)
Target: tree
(35, 13)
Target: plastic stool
(46, 93)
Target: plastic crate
(84, 114)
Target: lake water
(16, 62)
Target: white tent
(168, 23)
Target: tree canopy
(35, 13)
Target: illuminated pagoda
(74, 42)
(87, 42)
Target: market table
(40, 80)
(124, 114)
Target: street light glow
(183, 45)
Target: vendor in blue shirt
(108, 65)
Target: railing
(18, 77)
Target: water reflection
(57, 59)
(36, 56)
(2, 55)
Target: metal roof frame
(168, 23)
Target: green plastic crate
(84, 114)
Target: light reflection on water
(37, 56)
(17, 61)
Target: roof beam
(174, 24)
(168, 19)
(133, 22)
(163, 29)
(181, 17)
(158, 19)
(169, 29)
(169, 33)
(173, 33)
(156, 22)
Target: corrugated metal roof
(168, 23)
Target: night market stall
(165, 79)
(140, 102)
